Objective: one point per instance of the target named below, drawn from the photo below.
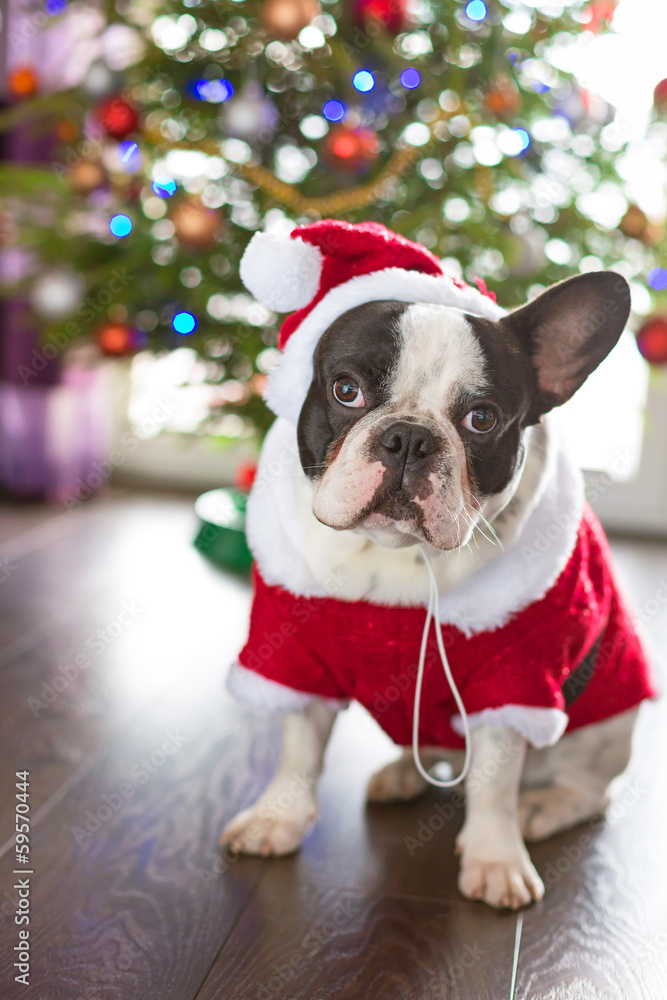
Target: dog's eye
(481, 420)
(348, 391)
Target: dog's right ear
(569, 329)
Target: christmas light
(657, 279)
(120, 225)
(513, 141)
(311, 37)
(184, 322)
(523, 137)
(333, 111)
(363, 80)
(213, 91)
(410, 78)
(476, 10)
(164, 186)
(129, 156)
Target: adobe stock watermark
(298, 616)
(141, 772)
(652, 606)
(119, 955)
(25, 27)
(6, 569)
(309, 948)
(444, 812)
(542, 540)
(129, 442)
(571, 854)
(96, 643)
(271, 808)
(92, 307)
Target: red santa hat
(324, 269)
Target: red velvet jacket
(574, 653)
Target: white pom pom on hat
(282, 272)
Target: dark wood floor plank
(601, 930)
(129, 895)
(310, 942)
(127, 621)
(111, 909)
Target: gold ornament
(284, 19)
(85, 176)
(399, 163)
(634, 223)
(194, 224)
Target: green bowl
(221, 536)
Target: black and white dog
(412, 425)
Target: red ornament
(117, 117)
(652, 340)
(389, 14)
(599, 15)
(351, 149)
(245, 476)
(660, 96)
(503, 98)
(118, 339)
(22, 82)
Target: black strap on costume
(579, 679)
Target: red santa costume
(538, 638)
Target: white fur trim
(531, 566)
(260, 693)
(290, 380)
(323, 562)
(282, 273)
(542, 727)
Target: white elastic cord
(432, 612)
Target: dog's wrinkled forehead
(415, 357)
(438, 358)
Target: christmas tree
(449, 122)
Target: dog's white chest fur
(482, 585)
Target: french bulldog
(426, 433)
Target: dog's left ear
(570, 329)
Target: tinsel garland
(397, 166)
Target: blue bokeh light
(129, 156)
(164, 186)
(411, 78)
(184, 322)
(54, 7)
(657, 279)
(363, 80)
(213, 91)
(476, 10)
(525, 138)
(120, 225)
(333, 111)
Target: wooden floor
(137, 758)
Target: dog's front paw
(502, 878)
(399, 781)
(262, 831)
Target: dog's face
(413, 425)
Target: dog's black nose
(407, 442)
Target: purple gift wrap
(54, 414)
